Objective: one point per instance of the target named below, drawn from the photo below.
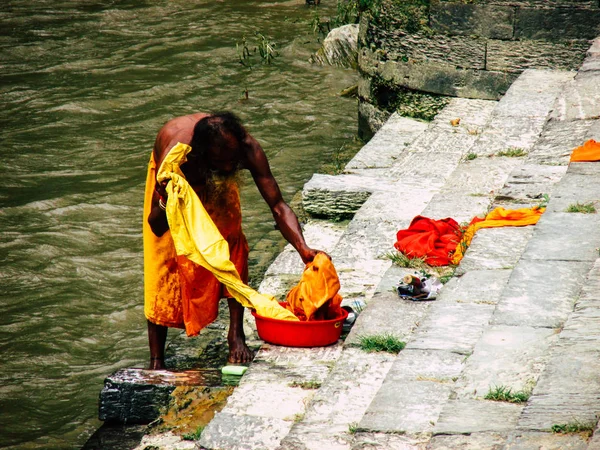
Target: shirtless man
(220, 147)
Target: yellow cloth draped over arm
(499, 217)
(196, 237)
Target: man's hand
(309, 254)
(161, 189)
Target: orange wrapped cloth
(499, 217)
(178, 292)
(434, 240)
(590, 151)
(316, 295)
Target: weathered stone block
(438, 77)
(489, 21)
(370, 120)
(391, 141)
(458, 51)
(569, 190)
(477, 416)
(339, 47)
(137, 395)
(516, 56)
(540, 294)
(557, 24)
(580, 100)
(331, 196)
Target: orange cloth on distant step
(590, 151)
(499, 217)
(433, 240)
(316, 295)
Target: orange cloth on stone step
(590, 151)
(178, 292)
(498, 217)
(433, 240)
(316, 295)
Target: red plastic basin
(314, 333)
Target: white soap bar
(234, 370)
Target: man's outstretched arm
(284, 216)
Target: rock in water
(340, 47)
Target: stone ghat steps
(516, 315)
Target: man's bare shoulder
(178, 129)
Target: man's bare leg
(239, 352)
(157, 338)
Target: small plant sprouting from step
(587, 429)
(381, 343)
(506, 394)
(193, 436)
(471, 156)
(545, 198)
(400, 259)
(583, 208)
(312, 384)
(352, 427)
(513, 152)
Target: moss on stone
(407, 102)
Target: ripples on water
(85, 85)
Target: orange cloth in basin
(316, 295)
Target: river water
(85, 85)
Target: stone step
(138, 396)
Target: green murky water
(85, 85)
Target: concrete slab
(425, 169)
(473, 114)
(387, 313)
(484, 253)
(565, 237)
(449, 142)
(460, 206)
(544, 411)
(533, 94)
(506, 356)
(473, 441)
(383, 441)
(452, 327)
(388, 143)
(508, 132)
(413, 393)
(340, 402)
(531, 440)
(476, 286)
(240, 432)
(579, 100)
(540, 294)
(476, 416)
(529, 182)
(575, 188)
(558, 139)
(481, 176)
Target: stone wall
(464, 48)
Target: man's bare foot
(157, 364)
(239, 352)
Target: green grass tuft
(353, 427)
(574, 427)
(512, 152)
(505, 394)
(381, 343)
(400, 259)
(471, 156)
(583, 208)
(193, 436)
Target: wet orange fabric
(316, 296)
(178, 292)
(590, 151)
(431, 239)
(499, 217)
